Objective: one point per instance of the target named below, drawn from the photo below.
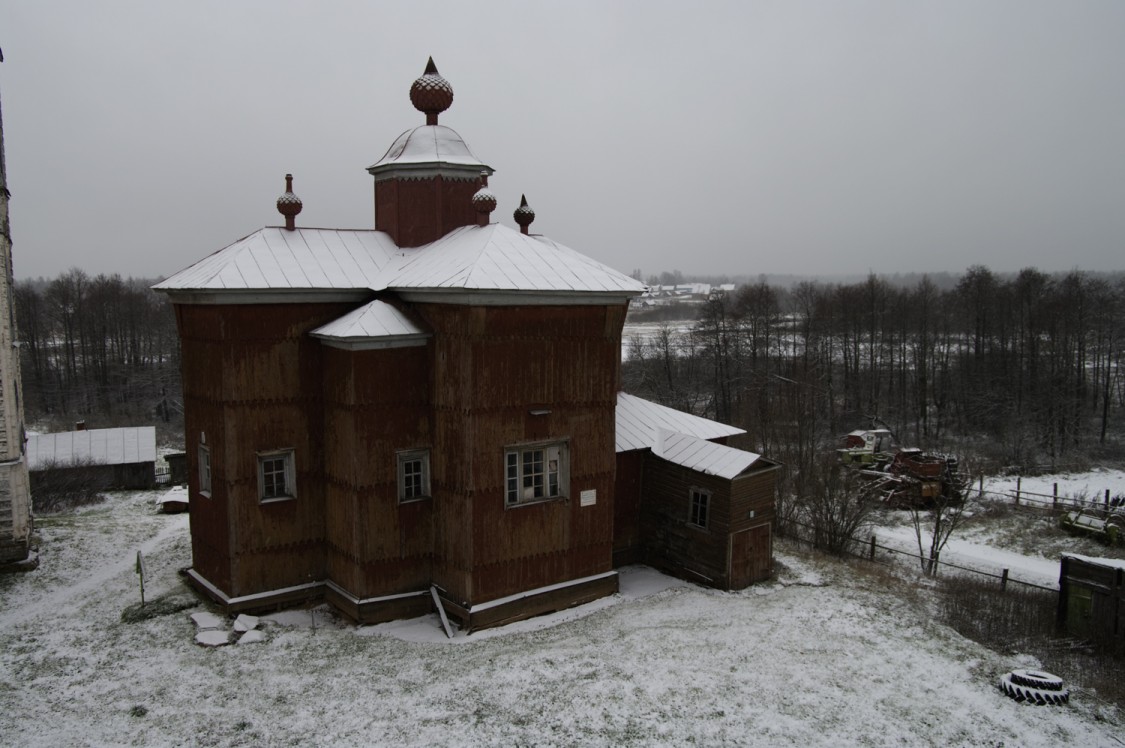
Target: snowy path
(57, 599)
(1040, 571)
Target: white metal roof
(498, 258)
(701, 455)
(377, 323)
(639, 420)
(1109, 563)
(121, 446)
(428, 144)
(276, 259)
(471, 258)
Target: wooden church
(433, 406)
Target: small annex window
(700, 508)
(204, 470)
(276, 476)
(535, 472)
(413, 474)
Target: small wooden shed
(108, 458)
(1092, 599)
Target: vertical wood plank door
(749, 556)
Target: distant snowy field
(818, 658)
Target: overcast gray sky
(711, 137)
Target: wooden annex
(434, 405)
(1092, 600)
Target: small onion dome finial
(431, 94)
(289, 205)
(524, 215)
(484, 201)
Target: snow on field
(1029, 544)
(1090, 485)
(1040, 571)
(825, 656)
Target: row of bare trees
(101, 347)
(1029, 365)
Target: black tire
(1037, 696)
(1037, 679)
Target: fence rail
(866, 550)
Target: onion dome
(289, 205)
(431, 93)
(483, 200)
(524, 215)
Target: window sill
(536, 502)
(415, 500)
(277, 499)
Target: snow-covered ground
(1025, 540)
(825, 656)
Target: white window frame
(404, 460)
(536, 472)
(699, 507)
(204, 458)
(288, 473)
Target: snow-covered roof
(1109, 563)
(274, 262)
(499, 258)
(639, 421)
(276, 259)
(374, 325)
(432, 146)
(701, 455)
(120, 446)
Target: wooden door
(750, 557)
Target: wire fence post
(871, 554)
(1019, 479)
(1055, 496)
(980, 490)
(1004, 580)
(1107, 499)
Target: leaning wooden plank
(441, 612)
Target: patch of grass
(160, 606)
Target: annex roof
(701, 455)
(639, 422)
(374, 325)
(120, 446)
(1108, 563)
(276, 259)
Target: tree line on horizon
(1027, 364)
(100, 349)
(1025, 368)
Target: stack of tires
(1034, 687)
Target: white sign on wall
(588, 498)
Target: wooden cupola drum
(426, 181)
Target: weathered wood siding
(628, 545)
(491, 367)
(1092, 602)
(376, 404)
(252, 382)
(675, 545)
(418, 211)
